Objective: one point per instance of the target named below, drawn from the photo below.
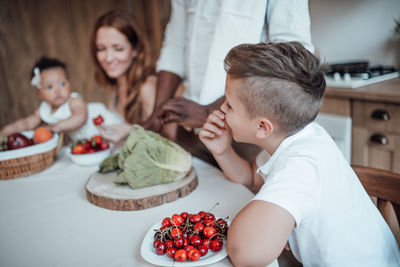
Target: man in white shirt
(197, 39)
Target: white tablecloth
(46, 220)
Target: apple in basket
(18, 140)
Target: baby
(61, 109)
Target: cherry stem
(216, 204)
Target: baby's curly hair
(283, 81)
(47, 63)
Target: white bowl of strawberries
(91, 151)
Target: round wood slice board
(101, 191)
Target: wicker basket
(24, 166)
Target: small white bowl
(90, 158)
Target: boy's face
(243, 128)
(54, 86)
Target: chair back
(385, 186)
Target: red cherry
(166, 222)
(209, 216)
(202, 214)
(178, 242)
(209, 231)
(203, 250)
(155, 243)
(195, 218)
(160, 248)
(222, 223)
(198, 227)
(216, 245)
(208, 223)
(195, 240)
(206, 242)
(169, 243)
(194, 255)
(176, 232)
(171, 252)
(177, 219)
(184, 215)
(188, 247)
(180, 255)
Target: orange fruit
(42, 134)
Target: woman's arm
(115, 133)
(27, 123)
(76, 120)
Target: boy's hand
(216, 134)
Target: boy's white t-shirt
(88, 129)
(337, 224)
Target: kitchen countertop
(386, 91)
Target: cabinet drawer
(378, 116)
(375, 149)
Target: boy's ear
(265, 128)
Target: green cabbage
(148, 159)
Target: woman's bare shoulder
(151, 80)
(149, 86)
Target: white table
(45, 219)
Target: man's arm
(171, 64)
(167, 84)
(289, 21)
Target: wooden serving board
(101, 191)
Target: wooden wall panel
(61, 29)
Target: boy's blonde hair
(283, 81)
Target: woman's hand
(115, 132)
(216, 134)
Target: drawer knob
(380, 114)
(379, 139)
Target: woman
(123, 65)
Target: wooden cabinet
(375, 113)
(376, 135)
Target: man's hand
(216, 134)
(184, 112)
(153, 123)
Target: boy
(306, 193)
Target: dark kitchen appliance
(357, 74)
